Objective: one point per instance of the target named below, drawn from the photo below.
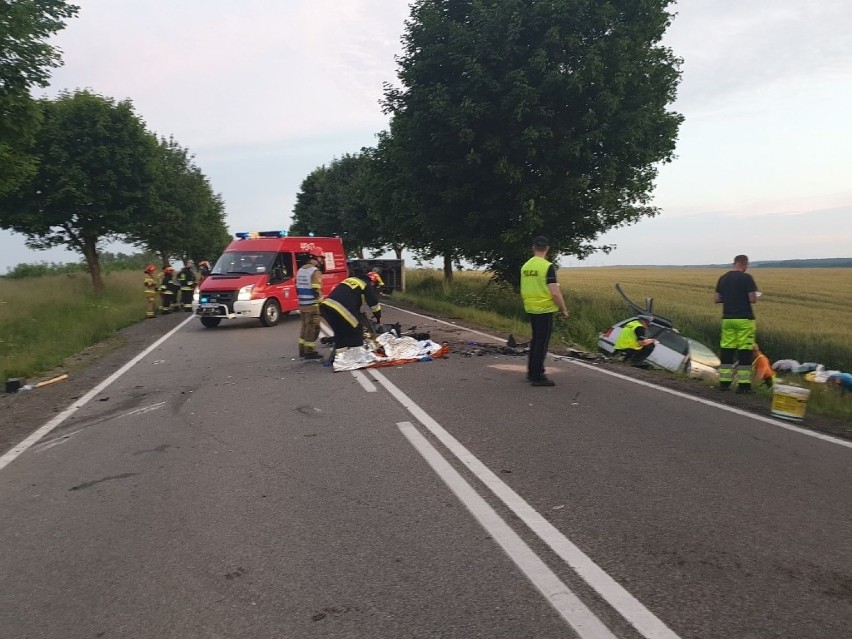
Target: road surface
(221, 487)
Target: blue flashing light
(241, 236)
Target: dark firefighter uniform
(203, 270)
(186, 282)
(150, 291)
(342, 310)
(167, 288)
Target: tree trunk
(448, 268)
(90, 252)
(397, 249)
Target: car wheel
(211, 322)
(271, 313)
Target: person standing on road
(376, 280)
(342, 309)
(542, 297)
(736, 291)
(309, 292)
(150, 291)
(186, 281)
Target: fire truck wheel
(211, 322)
(271, 313)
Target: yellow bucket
(789, 402)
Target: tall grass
(804, 314)
(47, 319)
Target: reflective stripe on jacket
(307, 290)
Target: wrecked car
(673, 352)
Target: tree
(25, 62)
(184, 218)
(333, 200)
(518, 117)
(95, 174)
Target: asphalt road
(221, 487)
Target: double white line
(566, 603)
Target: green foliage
(109, 262)
(183, 218)
(517, 118)
(94, 176)
(40, 269)
(26, 59)
(47, 319)
(334, 201)
(785, 328)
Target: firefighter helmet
(168, 269)
(204, 264)
(150, 269)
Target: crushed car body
(673, 352)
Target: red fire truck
(256, 277)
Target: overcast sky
(265, 91)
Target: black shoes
(312, 355)
(542, 381)
(744, 389)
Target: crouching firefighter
(342, 310)
(632, 342)
(309, 291)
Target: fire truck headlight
(244, 294)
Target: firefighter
(203, 270)
(186, 282)
(309, 292)
(632, 342)
(376, 280)
(342, 309)
(150, 291)
(167, 290)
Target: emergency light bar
(245, 235)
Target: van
(256, 277)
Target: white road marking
(693, 398)
(12, 454)
(366, 384)
(570, 608)
(144, 409)
(642, 619)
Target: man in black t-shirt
(736, 291)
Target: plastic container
(790, 402)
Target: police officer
(309, 292)
(542, 297)
(150, 285)
(633, 342)
(342, 309)
(186, 282)
(736, 291)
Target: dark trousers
(345, 335)
(542, 327)
(637, 356)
